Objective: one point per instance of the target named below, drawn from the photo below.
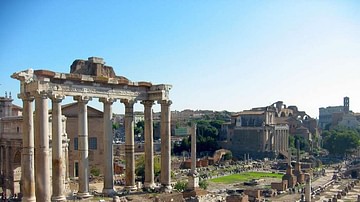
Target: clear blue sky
(218, 55)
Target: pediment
(72, 110)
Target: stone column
(287, 140)
(2, 160)
(193, 181)
(129, 145)
(7, 168)
(108, 188)
(42, 164)
(66, 153)
(280, 140)
(149, 145)
(193, 148)
(27, 159)
(83, 147)
(284, 140)
(308, 187)
(165, 177)
(58, 172)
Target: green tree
(140, 166)
(341, 140)
(95, 171)
(139, 130)
(228, 156)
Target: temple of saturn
(87, 79)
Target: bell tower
(346, 104)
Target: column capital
(148, 103)
(165, 102)
(40, 94)
(25, 97)
(56, 97)
(108, 100)
(81, 98)
(128, 101)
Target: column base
(28, 199)
(149, 185)
(166, 188)
(58, 198)
(84, 195)
(109, 192)
(130, 188)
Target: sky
(218, 55)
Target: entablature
(63, 84)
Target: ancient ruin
(87, 80)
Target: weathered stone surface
(93, 66)
(169, 197)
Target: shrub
(203, 184)
(180, 186)
(95, 171)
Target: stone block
(256, 193)
(169, 197)
(237, 198)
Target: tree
(228, 156)
(341, 140)
(304, 144)
(139, 130)
(140, 166)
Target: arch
(290, 114)
(282, 114)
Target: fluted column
(83, 147)
(27, 159)
(129, 145)
(58, 160)
(276, 143)
(165, 177)
(108, 188)
(149, 145)
(42, 165)
(282, 141)
(285, 141)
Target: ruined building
(87, 80)
(264, 131)
(11, 144)
(333, 116)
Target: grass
(246, 176)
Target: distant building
(10, 145)
(95, 130)
(333, 116)
(256, 133)
(11, 129)
(264, 131)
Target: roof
(249, 112)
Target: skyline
(224, 55)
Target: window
(76, 143)
(93, 143)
